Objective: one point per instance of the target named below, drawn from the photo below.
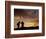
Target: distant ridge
(27, 28)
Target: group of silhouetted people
(22, 24)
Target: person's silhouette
(18, 24)
(22, 24)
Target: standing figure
(22, 24)
(18, 24)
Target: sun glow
(28, 22)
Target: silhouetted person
(22, 24)
(18, 24)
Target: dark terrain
(26, 28)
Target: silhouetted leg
(18, 26)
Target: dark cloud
(32, 13)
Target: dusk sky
(32, 13)
(28, 16)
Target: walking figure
(22, 24)
(18, 24)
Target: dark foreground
(26, 28)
